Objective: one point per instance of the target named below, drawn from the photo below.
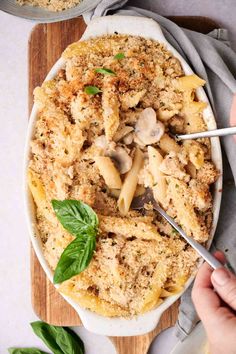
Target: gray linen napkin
(212, 59)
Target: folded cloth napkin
(213, 60)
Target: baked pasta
(102, 135)
(51, 5)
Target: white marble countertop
(16, 310)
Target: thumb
(224, 283)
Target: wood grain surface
(46, 43)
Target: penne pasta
(165, 114)
(110, 106)
(137, 226)
(159, 186)
(193, 119)
(152, 298)
(109, 172)
(39, 196)
(91, 301)
(130, 100)
(130, 183)
(195, 152)
(155, 287)
(36, 188)
(168, 144)
(186, 215)
(188, 82)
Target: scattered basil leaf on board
(119, 56)
(25, 351)
(75, 216)
(58, 339)
(76, 338)
(48, 334)
(92, 90)
(105, 71)
(75, 258)
(70, 342)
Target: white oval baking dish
(146, 28)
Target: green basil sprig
(105, 71)
(75, 216)
(119, 56)
(75, 258)
(26, 351)
(92, 90)
(81, 221)
(59, 340)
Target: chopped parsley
(105, 71)
(119, 56)
(92, 90)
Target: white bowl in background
(40, 14)
(144, 323)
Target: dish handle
(111, 24)
(136, 344)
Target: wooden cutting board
(46, 43)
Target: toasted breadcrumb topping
(139, 259)
(51, 5)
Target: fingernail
(220, 276)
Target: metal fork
(147, 197)
(207, 134)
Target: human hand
(217, 308)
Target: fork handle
(208, 134)
(207, 256)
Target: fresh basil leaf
(92, 90)
(76, 337)
(70, 342)
(75, 258)
(48, 334)
(105, 71)
(25, 351)
(76, 216)
(58, 339)
(119, 56)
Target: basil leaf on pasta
(75, 258)
(75, 216)
(119, 56)
(105, 71)
(92, 90)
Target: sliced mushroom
(128, 139)
(148, 129)
(176, 124)
(121, 159)
(122, 132)
(101, 142)
(119, 155)
(138, 141)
